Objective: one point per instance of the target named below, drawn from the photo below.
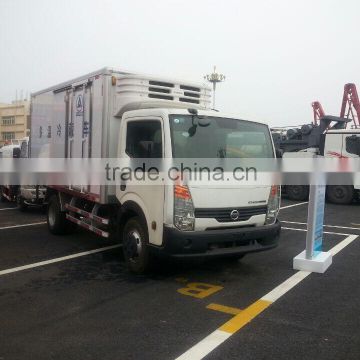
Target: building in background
(14, 121)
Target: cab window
(144, 139)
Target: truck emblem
(79, 105)
(234, 215)
(58, 132)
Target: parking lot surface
(71, 297)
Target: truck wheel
(340, 194)
(21, 203)
(135, 246)
(56, 219)
(297, 192)
(2, 197)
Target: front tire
(340, 194)
(56, 219)
(136, 246)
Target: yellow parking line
(241, 319)
(224, 309)
(220, 335)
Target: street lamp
(214, 78)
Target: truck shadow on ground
(111, 267)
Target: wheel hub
(133, 244)
(51, 215)
(339, 192)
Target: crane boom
(318, 111)
(350, 107)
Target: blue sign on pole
(319, 219)
(313, 258)
(316, 208)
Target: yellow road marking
(199, 290)
(245, 316)
(224, 309)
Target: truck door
(143, 138)
(79, 123)
(333, 145)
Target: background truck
(9, 192)
(330, 138)
(25, 195)
(114, 114)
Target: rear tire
(21, 203)
(136, 246)
(340, 194)
(56, 219)
(2, 197)
(297, 192)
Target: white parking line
(325, 232)
(332, 226)
(205, 346)
(219, 336)
(289, 206)
(23, 225)
(52, 261)
(12, 208)
(287, 285)
(337, 248)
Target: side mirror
(204, 121)
(278, 153)
(16, 153)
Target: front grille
(223, 215)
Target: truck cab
(191, 219)
(9, 192)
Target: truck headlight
(184, 212)
(273, 205)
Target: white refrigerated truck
(112, 114)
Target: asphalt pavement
(71, 297)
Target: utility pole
(214, 78)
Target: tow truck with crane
(327, 136)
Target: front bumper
(222, 242)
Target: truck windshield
(216, 137)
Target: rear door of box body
(68, 123)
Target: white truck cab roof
(185, 111)
(344, 131)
